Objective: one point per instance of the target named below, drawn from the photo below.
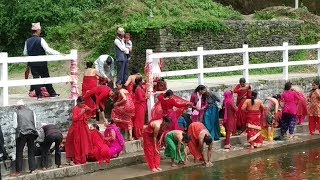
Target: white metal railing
(245, 67)
(5, 83)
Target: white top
(15, 120)
(44, 45)
(129, 45)
(103, 69)
(121, 45)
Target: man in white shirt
(105, 66)
(121, 52)
(37, 46)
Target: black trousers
(122, 71)
(45, 147)
(20, 143)
(43, 72)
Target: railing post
(4, 91)
(246, 62)
(285, 61)
(149, 81)
(318, 59)
(200, 66)
(296, 4)
(74, 75)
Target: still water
(292, 163)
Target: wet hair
(80, 99)
(242, 80)
(96, 126)
(168, 93)
(199, 88)
(277, 96)
(186, 137)
(109, 60)
(134, 70)
(110, 121)
(254, 95)
(207, 140)
(287, 86)
(89, 64)
(167, 119)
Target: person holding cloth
(37, 46)
(105, 66)
(24, 121)
(121, 52)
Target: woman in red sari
(199, 103)
(123, 110)
(254, 108)
(100, 150)
(140, 108)
(171, 106)
(243, 92)
(302, 109)
(131, 80)
(151, 146)
(78, 141)
(229, 118)
(99, 95)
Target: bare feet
(251, 147)
(227, 146)
(159, 169)
(173, 164)
(154, 170)
(16, 174)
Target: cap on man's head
(120, 31)
(35, 26)
(20, 103)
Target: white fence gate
(245, 51)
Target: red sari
(194, 130)
(88, 83)
(173, 108)
(122, 114)
(140, 111)
(152, 158)
(101, 94)
(78, 141)
(100, 150)
(302, 109)
(130, 88)
(254, 128)
(243, 94)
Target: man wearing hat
(105, 66)
(121, 56)
(24, 121)
(37, 46)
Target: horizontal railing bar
(179, 73)
(22, 59)
(302, 47)
(266, 49)
(306, 62)
(224, 69)
(25, 82)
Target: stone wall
(255, 33)
(58, 112)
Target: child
(128, 44)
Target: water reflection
(301, 163)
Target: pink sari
(115, 145)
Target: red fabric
(88, 83)
(230, 123)
(152, 158)
(122, 114)
(101, 94)
(100, 150)
(314, 121)
(194, 130)
(302, 109)
(241, 117)
(228, 135)
(254, 128)
(78, 141)
(130, 88)
(242, 94)
(44, 92)
(140, 111)
(166, 108)
(194, 99)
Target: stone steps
(133, 154)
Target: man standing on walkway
(24, 121)
(48, 135)
(37, 46)
(105, 66)
(121, 56)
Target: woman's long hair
(200, 88)
(254, 95)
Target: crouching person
(48, 135)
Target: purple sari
(116, 145)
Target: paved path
(176, 84)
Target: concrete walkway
(175, 85)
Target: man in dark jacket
(48, 135)
(24, 121)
